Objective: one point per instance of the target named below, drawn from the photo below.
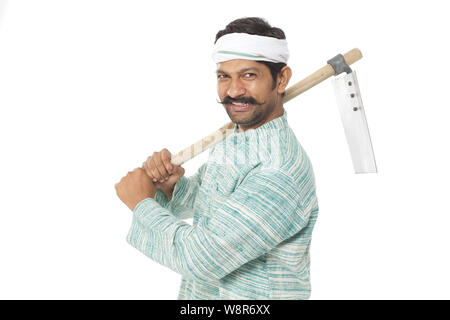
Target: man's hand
(135, 187)
(162, 172)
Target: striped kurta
(253, 205)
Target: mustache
(250, 100)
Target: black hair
(260, 27)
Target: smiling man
(248, 98)
(253, 202)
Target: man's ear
(283, 79)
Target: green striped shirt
(253, 205)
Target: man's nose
(236, 89)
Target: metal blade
(355, 124)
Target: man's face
(246, 89)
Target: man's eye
(221, 76)
(249, 75)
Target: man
(253, 202)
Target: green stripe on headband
(240, 54)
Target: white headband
(250, 47)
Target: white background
(89, 89)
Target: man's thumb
(179, 172)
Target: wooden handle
(203, 144)
(312, 80)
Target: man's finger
(148, 167)
(165, 157)
(154, 168)
(164, 174)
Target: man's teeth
(240, 104)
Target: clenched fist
(135, 187)
(162, 172)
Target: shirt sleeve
(264, 210)
(184, 195)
